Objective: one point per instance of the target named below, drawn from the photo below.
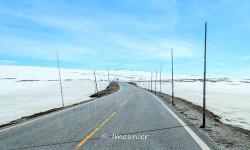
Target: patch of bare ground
(132, 83)
(113, 87)
(225, 136)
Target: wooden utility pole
(160, 77)
(204, 79)
(172, 58)
(96, 88)
(60, 79)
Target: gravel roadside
(225, 136)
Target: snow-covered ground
(229, 99)
(27, 90)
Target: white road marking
(191, 132)
(54, 113)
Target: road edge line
(197, 139)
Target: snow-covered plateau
(26, 90)
(227, 98)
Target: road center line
(123, 103)
(93, 132)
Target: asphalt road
(130, 119)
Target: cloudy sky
(127, 34)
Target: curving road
(130, 119)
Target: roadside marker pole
(160, 77)
(151, 81)
(204, 79)
(155, 79)
(60, 79)
(96, 88)
(172, 58)
(148, 85)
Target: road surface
(130, 119)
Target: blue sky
(127, 34)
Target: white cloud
(7, 62)
(102, 30)
(32, 48)
(157, 48)
(161, 15)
